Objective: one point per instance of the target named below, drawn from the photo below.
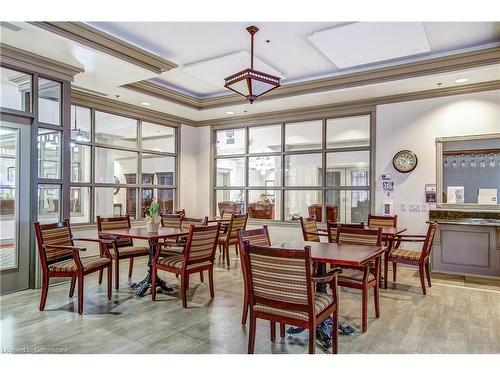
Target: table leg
(390, 242)
(143, 286)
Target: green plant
(152, 213)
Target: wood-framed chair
(182, 212)
(198, 256)
(171, 220)
(365, 277)
(331, 228)
(288, 296)
(60, 257)
(227, 215)
(415, 258)
(382, 221)
(230, 238)
(123, 248)
(310, 230)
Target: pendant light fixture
(249, 82)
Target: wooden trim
(460, 61)
(24, 60)
(101, 41)
(124, 109)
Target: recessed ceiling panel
(369, 42)
(215, 70)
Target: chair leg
(236, 248)
(394, 271)
(201, 277)
(153, 283)
(282, 330)
(421, 271)
(211, 282)
(312, 340)
(386, 269)
(364, 310)
(251, 334)
(273, 331)
(72, 287)
(45, 289)
(428, 273)
(130, 267)
(100, 277)
(226, 252)
(184, 290)
(80, 294)
(117, 274)
(335, 332)
(376, 297)
(245, 307)
(110, 280)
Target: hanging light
(249, 82)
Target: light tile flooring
(458, 315)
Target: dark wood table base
(143, 286)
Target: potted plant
(152, 213)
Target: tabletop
(387, 231)
(143, 234)
(342, 255)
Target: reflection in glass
(231, 141)
(49, 153)
(264, 204)
(264, 139)
(303, 170)
(80, 124)
(49, 203)
(49, 101)
(264, 171)
(160, 167)
(348, 168)
(298, 203)
(230, 172)
(158, 137)
(230, 200)
(115, 166)
(115, 130)
(79, 204)
(115, 202)
(80, 163)
(305, 135)
(351, 131)
(164, 197)
(353, 206)
(15, 90)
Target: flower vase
(153, 227)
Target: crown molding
(443, 64)
(101, 41)
(24, 60)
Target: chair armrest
(323, 230)
(99, 240)
(317, 234)
(64, 247)
(409, 238)
(329, 277)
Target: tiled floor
(458, 315)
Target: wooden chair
(382, 221)
(171, 220)
(365, 277)
(198, 256)
(123, 248)
(415, 258)
(60, 257)
(331, 228)
(310, 230)
(230, 237)
(287, 296)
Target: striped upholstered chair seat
(175, 261)
(354, 276)
(321, 302)
(136, 250)
(406, 254)
(69, 265)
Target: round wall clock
(405, 161)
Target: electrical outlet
(402, 208)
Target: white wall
(415, 126)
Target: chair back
(358, 236)
(186, 222)
(429, 238)
(227, 215)
(178, 212)
(53, 234)
(382, 221)
(115, 222)
(309, 229)
(255, 237)
(280, 278)
(237, 222)
(201, 244)
(171, 220)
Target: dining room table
(142, 233)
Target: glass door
(15, 254)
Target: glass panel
(8, 194)
(115, 130)
(80, 124)
(230, 200)
(264, 171)
(164, 197)
(115, 166)
(230, 172)
(264, 204)
(80, 163)
(348, 168)
(264, 139)
(49, 153)
(49, 199)
(161, 169)
(158, 137)
(351, 131)
(299, 202)
(15, 90)
(231, 141)
(49, 101)
(79, 204)
(305, 135)
(353, 205)
(115, 201)
(303, 170)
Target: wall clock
(405, 161)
